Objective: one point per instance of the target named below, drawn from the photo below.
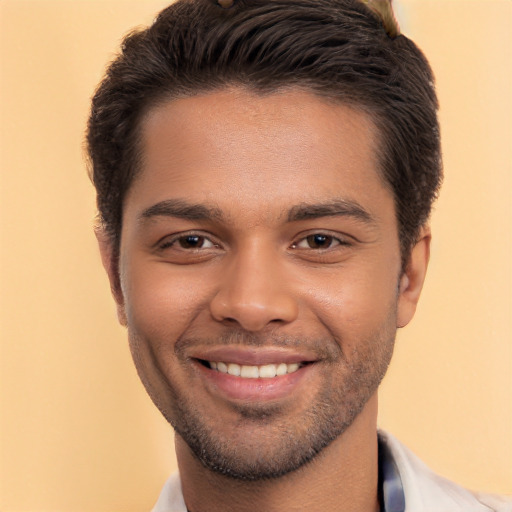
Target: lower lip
(255, 390)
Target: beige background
(77, 431)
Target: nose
(253, 292)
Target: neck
(343, 477)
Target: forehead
(264, 150)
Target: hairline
(327, 95)
(166, 97)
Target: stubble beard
(279, 444)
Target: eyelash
(309, 238)
(326, 236)
(168, 243)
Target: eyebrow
(305, 211)
(339, 207)
(182, 210)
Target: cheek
(161, 303)
(355, 301)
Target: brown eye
(319, 241)
(194, 242)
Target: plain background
(77, 430)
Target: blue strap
(391, 489)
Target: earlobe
(110, 264)
(413, 277)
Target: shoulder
(426, 491)
(171, 497)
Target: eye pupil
(191, 241)
(319, 241)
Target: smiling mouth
(266, 371)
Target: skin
(260, 229)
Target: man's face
(259, 239)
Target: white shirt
(424, 491)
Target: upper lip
(250, 356)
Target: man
(265, 173)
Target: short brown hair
(338, 49)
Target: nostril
(252, 307)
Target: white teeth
(292, 367)
(282, 369)
(234, 369)
(266, 371)
(249, 372)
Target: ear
(412, 278)
(111, 266)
